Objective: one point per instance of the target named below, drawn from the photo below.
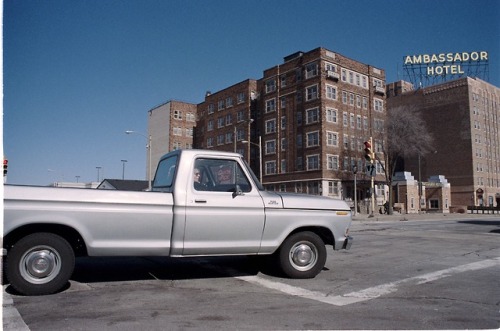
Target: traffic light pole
(370, 158)
(373, 196)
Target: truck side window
(166, 173)
(220, 176)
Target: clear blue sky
(77, 74)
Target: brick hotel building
(464, 118)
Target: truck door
(224, 210)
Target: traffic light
(5, 165)
(369, 155)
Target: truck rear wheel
(40, 264)
(302, 255)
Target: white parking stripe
(371, 292)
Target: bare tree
(407, 136)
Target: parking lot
(420, 272)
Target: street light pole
(355, 171)
(235, 137)
(98, 173)
(260, 154)
(123, 169)
(148, 147)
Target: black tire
(40, 264)
(302, 255)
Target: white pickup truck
(203, 203)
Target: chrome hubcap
(40, 265)
(303, 256)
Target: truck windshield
(166, 173)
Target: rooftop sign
(427, 68)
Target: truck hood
(305, 201)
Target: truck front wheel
(302, 255)
(39, 264)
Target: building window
(189, 132)
(344, 97)
(270, 105)
(299, 141)
(352, 121)
(271, 126)
(298, 163)
(330, 67)
(312, 93)
(378, 83)
(240, 116)
(344, 75)
(312, 139)
(229, 137)
(240, 97)
(299, 118)
(270, 167)
(378, 105)
(358, 122)
(331, 115)
(177, 131)
(210, 142)
(270, 86)
(283, 122)
(351, 99)
(229, 119)
(332, 162)
(313, 187)
(298, 75)
(220, 105)
(311, 70)
(313, 162)
(331, 92)
(345, 120)
(298, 187)
(220, 139)
(284, 144)
(333, 188)
(190, 117)
(220, 122)
(332, 138)
(229, 102)
(210, 125)
(312, 115)
(270, 147)
(283, 81)
(177, 115)
(283, 166)
(211, 108)
(365, 103)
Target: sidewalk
(425, 216)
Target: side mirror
(237, 191)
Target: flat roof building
(313, 113)
(463, 117)
(171, 127)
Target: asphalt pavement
(12, 320)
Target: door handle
(200, 201)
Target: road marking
(371, 292)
